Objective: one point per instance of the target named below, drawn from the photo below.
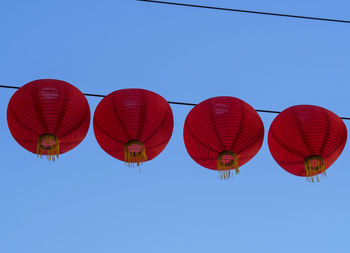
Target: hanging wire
(170, 102)
(247, 11)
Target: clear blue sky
(89, 202)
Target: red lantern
(133, 125)
(305, 140)
(48, 117)
(223, 133)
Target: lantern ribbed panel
(48, 106)
(306, 130)
(220, 124)
(133, 114)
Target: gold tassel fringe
(48, 146)
(313, 171)
(225, 168)
(133, 158)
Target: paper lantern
(223, 133)
(306, 140)
(48, 117)
(133, 125)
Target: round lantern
(306, 140)
(133, 125)
(223, 133)
(48, 117)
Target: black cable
(170, 102)
(247, 11)
(86, 94)
(9, 87)
(181, 103)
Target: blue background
(88, 201)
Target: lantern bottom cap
(227, 161)
(135, 153)
(314, 166)
(48, 146)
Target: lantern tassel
(48, 146)
(225, 167)
(135, 154)
(314, 165)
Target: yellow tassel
(314, 165)
(225, 167)
(48, 146)
(135, 154)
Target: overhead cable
(170, 102)
(247, 11)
